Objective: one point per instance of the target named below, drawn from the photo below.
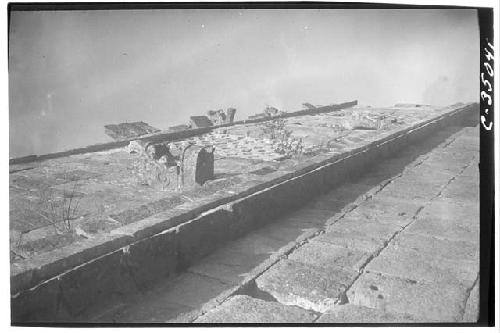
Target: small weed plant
(283, 140)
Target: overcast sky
(70, 73)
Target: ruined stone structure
(200, 122)
(125, 131)
(219, 117)
(175, 165)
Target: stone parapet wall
(61, 285)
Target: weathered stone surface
(389, 210)
(256, 245)
(284, 231)
(442, 248)
(433, 302)
(410, 191)
(408, 263)
(471, 313)
(192, 290)
(197, 238)
(329, 256)
(446, 229)
(245, 309)
(355, 314)
(307, 217)
(154, 310)
(359, 234)
(232, 263)
(310, 287)
(38, 305)
(462, 191)
(200, 122)
(449, 209)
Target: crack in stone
(468, 292)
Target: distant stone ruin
(219, 117)
(126, 131)
(200, 122)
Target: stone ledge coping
(31, 273)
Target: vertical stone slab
(197, 165)
(230, 115)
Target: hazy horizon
(72, 72)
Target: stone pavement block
(246, 309)
(310, 287)
(193, 290)
(413, 191)
(407, 263)
(359, 234)
(422, 186)
(471, 314)
(446, 229)
(471, 171)
(440, 248)
(432, 302)
(427, 173)
(350, 313)
(385, 210)
(449, 209)
(327, 255)
(464, 193)
(447, 160)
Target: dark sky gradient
(72, 72)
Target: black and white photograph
(261, 164)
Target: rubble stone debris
(360, 121)
(126, 131)
(200, 122)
